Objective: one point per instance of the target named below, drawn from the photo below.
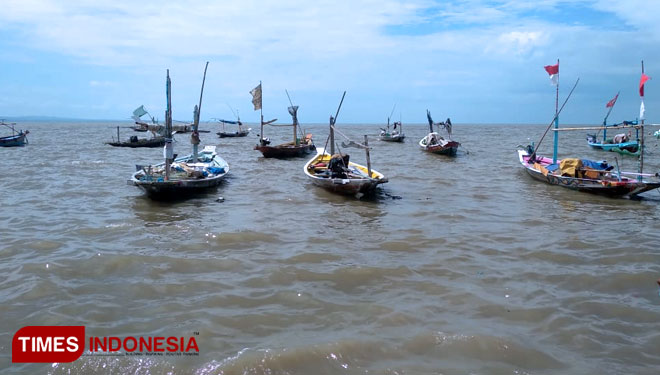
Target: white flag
(642, 111)
(256, 97)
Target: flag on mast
(611, 103)
(642, 81)
(256, 97)
(139, 111)
(553, 70)
(642, 110)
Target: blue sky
(475, 61)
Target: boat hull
(357, 187)
(17, 140)
(625, 148)
(157, 142)
(170, 190)
(392, 138)
(285, 150)
(607, 187)
(233, 135)
(449, 148)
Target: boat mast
(428, 117)
(169, 151)
(332, 126)
(388, 118)
(194, 137)
(293, 110)
(556, 138)
(261, 112)
(641, 153)
(366, 148)
(606, 116)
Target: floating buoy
(220, 199)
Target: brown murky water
(477, 269)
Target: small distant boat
(16, 139)
(183, 176)
(240, 133)
(336, 173)
(141, 126)
(396, 135)
(620, 143)
(135, 142)
(437, 144)
(297, 147)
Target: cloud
(412, 49)
(102, 84)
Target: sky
(475, 61)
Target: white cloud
(327, 46)
(102, 84)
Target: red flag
(642, 81)
(611, 102)
(552, 69)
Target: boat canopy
(228, 121)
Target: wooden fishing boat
(620, 143)
(186, 177)
(623, 148)
(355, 180)
(587, 176)
(140, 127)
(583, 174)
(336, 173)
(395, 135)
(239, 133)
(183, 176)
(297, 147)
(288, 150)
(16, 139)
(437, 144)
(135, 142)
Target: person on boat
(338, 165)
(620, 138)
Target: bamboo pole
(599, 127)
(556, 115)
(556, 140)
(641, 151)
(261, 113)
(641, 156)
(333, 120)
(194, 138)
(169, 152)
(366, 143)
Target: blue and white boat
(181, 177)
(16, 139)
